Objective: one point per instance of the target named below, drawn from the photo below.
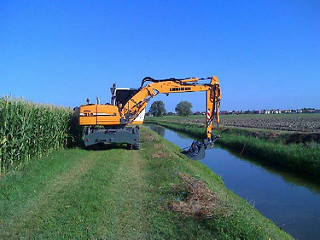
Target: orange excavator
(119, 121)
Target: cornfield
(28, 130)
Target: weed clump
(196, 199)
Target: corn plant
(28, 130)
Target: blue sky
(266, 54)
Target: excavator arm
(139, 101)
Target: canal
(290, 200)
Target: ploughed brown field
(286, 122)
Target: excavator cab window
(123, 95)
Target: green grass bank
(266, 145)
(120, 194)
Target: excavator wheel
(136, 147)
(133, 146)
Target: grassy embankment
(121, 194)
(267, 145)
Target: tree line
(182, 109)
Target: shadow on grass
(105, 147)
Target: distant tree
(184, 108)
(170, 113)
(157, 108)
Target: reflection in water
(182, 135)
(286, 174)
(289, 199)
(158, 129)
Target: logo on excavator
(180, 89)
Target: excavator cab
(122, 95)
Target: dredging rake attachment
(197, 149)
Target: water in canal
(287, 198)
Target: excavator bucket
(196, 151)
